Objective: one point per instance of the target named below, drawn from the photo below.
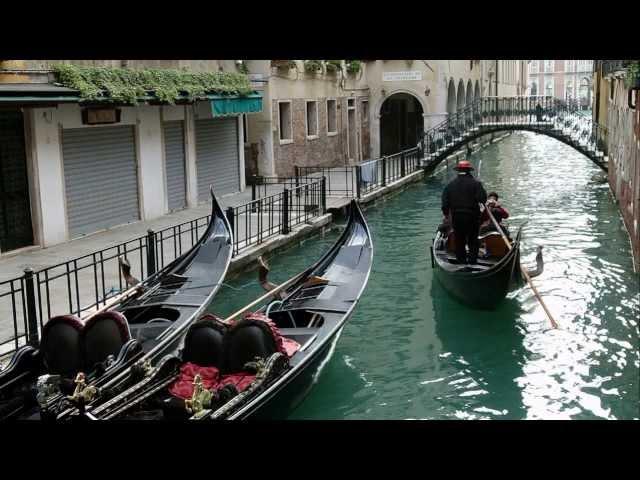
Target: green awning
(221, 107)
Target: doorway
(401, 123)
(16, 230)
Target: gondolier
(460, 199)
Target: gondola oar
(525, 274)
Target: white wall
(49, 178)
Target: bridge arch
(451, 98)
(461, 99)
(461, 142)
(401, 117)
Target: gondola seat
(494, 244)
(103, 335)
(203, 342)
(61, 345)
(202, 354)
(250, 338)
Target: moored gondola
(78, 358)
(267, 360)
(483, 284)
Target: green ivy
(354, 66)
(313, 65)
(127, 86)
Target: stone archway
(461, 99)
(451, 98)
(469, 93)
(401, 122)
(476, 93)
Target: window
(534, 66)
(351, 103)
(332, 127)
(285, 122)
(548, 65)
(312, 119)
(534, 89)
(364, 112)
(548, 87)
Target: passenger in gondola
(461, 199)
(499, 213)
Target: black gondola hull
(479, 289)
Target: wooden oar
(270, 293)
(523, 270)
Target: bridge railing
(531, 112)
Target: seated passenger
(498, 212)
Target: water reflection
(484, 351)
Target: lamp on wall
(427, 91)
(383, 92)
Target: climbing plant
(128, 86)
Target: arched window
(548, 89)
(569, 90)
(534, 89)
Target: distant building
(569, 80)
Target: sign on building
(401, 76)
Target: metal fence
(276, 214)
(357, 180)
(340, 181)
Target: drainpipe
(496, 78)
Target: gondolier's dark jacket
(462, 195)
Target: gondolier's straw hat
(464, 166)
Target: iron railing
(260, 219)
(262, 186)
(564, 120)
(340, 181)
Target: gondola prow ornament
(200, 399)
(83, 393)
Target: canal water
(412, 352)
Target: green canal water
(412, 352)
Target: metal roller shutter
(101, 179)
(217, 156)
(174, 164)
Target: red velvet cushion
(183, 386)
(240, 380)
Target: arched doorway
(476, 93)
(451, 98)
(469, 93)
(401, 123)
(460, 102)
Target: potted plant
(354, 66)
(333, 66)
(284, 64)
(313, 66)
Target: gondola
(78, 358)
(484, 284)
(268, 359)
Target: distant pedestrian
(538, 113)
